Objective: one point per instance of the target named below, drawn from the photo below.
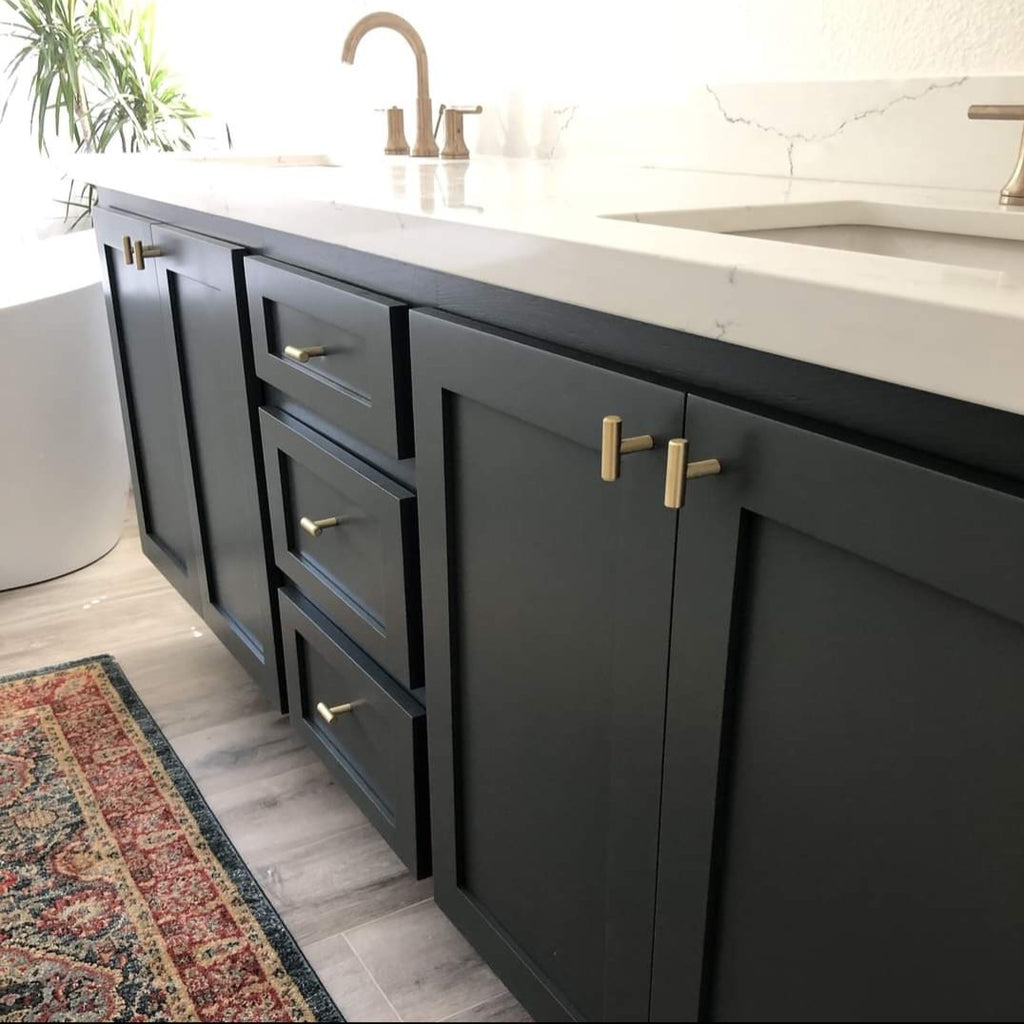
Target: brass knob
(126, 245)
(329, 714)
(679, 469)
(613, 446)
(303, 355)
(143, 251)
(314, 527)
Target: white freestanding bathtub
(63, 464)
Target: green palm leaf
(95, 77)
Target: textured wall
(556, 50)
(278, 77)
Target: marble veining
(794, 138)
(566, 116)
(910, 131)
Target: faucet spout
(425, 144)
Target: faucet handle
(996, 112)
(454, 141)
(1013, 191)
(396, 144)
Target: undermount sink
(933, 235)
(269, 160)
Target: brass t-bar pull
(329, 714)
(679, 469)
(143, 251)
(126, 246)
(303, 355)
(614, 446)
(314, 527)
(1013, 191)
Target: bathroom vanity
(717, 761)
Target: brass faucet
(1013, 190)
(425, 144)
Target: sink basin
(908, 243)
(267, 159)
(934, 235)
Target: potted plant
(94, 79)
(93, 83)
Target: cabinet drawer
(377, 749)
(363, 571)
(359, 380)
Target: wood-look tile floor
(373, 933)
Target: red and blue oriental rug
(121, 898)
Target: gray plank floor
(381, 946)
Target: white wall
(21, 195)
(272, 68)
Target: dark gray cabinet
(151, 403)
(546, 612)
(842, 820)
(840, 642)
(756, 760)
(190, 398)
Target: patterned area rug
(121, 898)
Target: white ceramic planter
(63, 464)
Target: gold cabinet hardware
(1013, 191)
(397, 145)
(314, 527)
(614, 446)
(303, 355)
(454, 139)
(126, 245)
(144, 251)
(329, 714)
(679, 469)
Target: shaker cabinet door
(843, 824)
(547, 596)
(203, 291)
(151, 403)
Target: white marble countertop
(538, 227)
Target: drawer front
(363, 571)
(355, 347)
(377, 748)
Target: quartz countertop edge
(542, 227)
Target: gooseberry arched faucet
(425, 144)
